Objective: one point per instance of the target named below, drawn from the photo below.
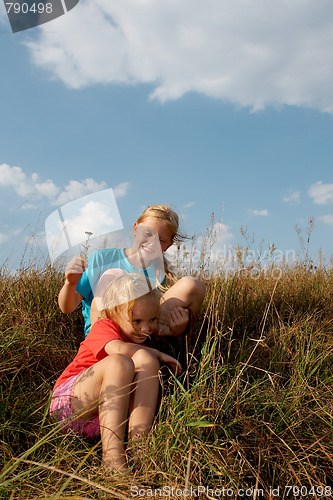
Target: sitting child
(113, 379)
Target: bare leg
(105, 388)
(143, 399)
(188, 293)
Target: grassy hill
(252, 412)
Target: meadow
(251, 416)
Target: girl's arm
(69, 298)
(129, 349)
(94, 312)
(169, 360)
(178, 320)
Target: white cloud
(292, 197)
(121, 190)
(189, 205)
(4, 238)
(76, 189)
(47, 188)
(29, 185)
(327, 219)
(216, 248)
(222, 233)
(12, 233)
(15, 177)
(27, 206)
(96, 213)
(321, 194)
(26, 185)
(251, 52)
(3, 15)
(92, 215)
(260, 213)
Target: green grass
(253, 408)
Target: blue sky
(223, 106)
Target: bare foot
(137, 450)
(115, 464)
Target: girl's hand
(74, 269)
(169, 360)
(179, 318)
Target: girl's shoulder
(101, 333)
(103, 328)
(105, 323)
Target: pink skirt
(61, 410)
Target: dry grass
(254, 409)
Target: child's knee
(119, 363)
(143, 359)
(193, 286)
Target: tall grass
(252, 410)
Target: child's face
(144, 321)
(152, 237)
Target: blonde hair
(167, 214)
(122, 293)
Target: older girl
(154, 232)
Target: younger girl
(114, 378)
(154, 232)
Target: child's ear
(135, 225)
